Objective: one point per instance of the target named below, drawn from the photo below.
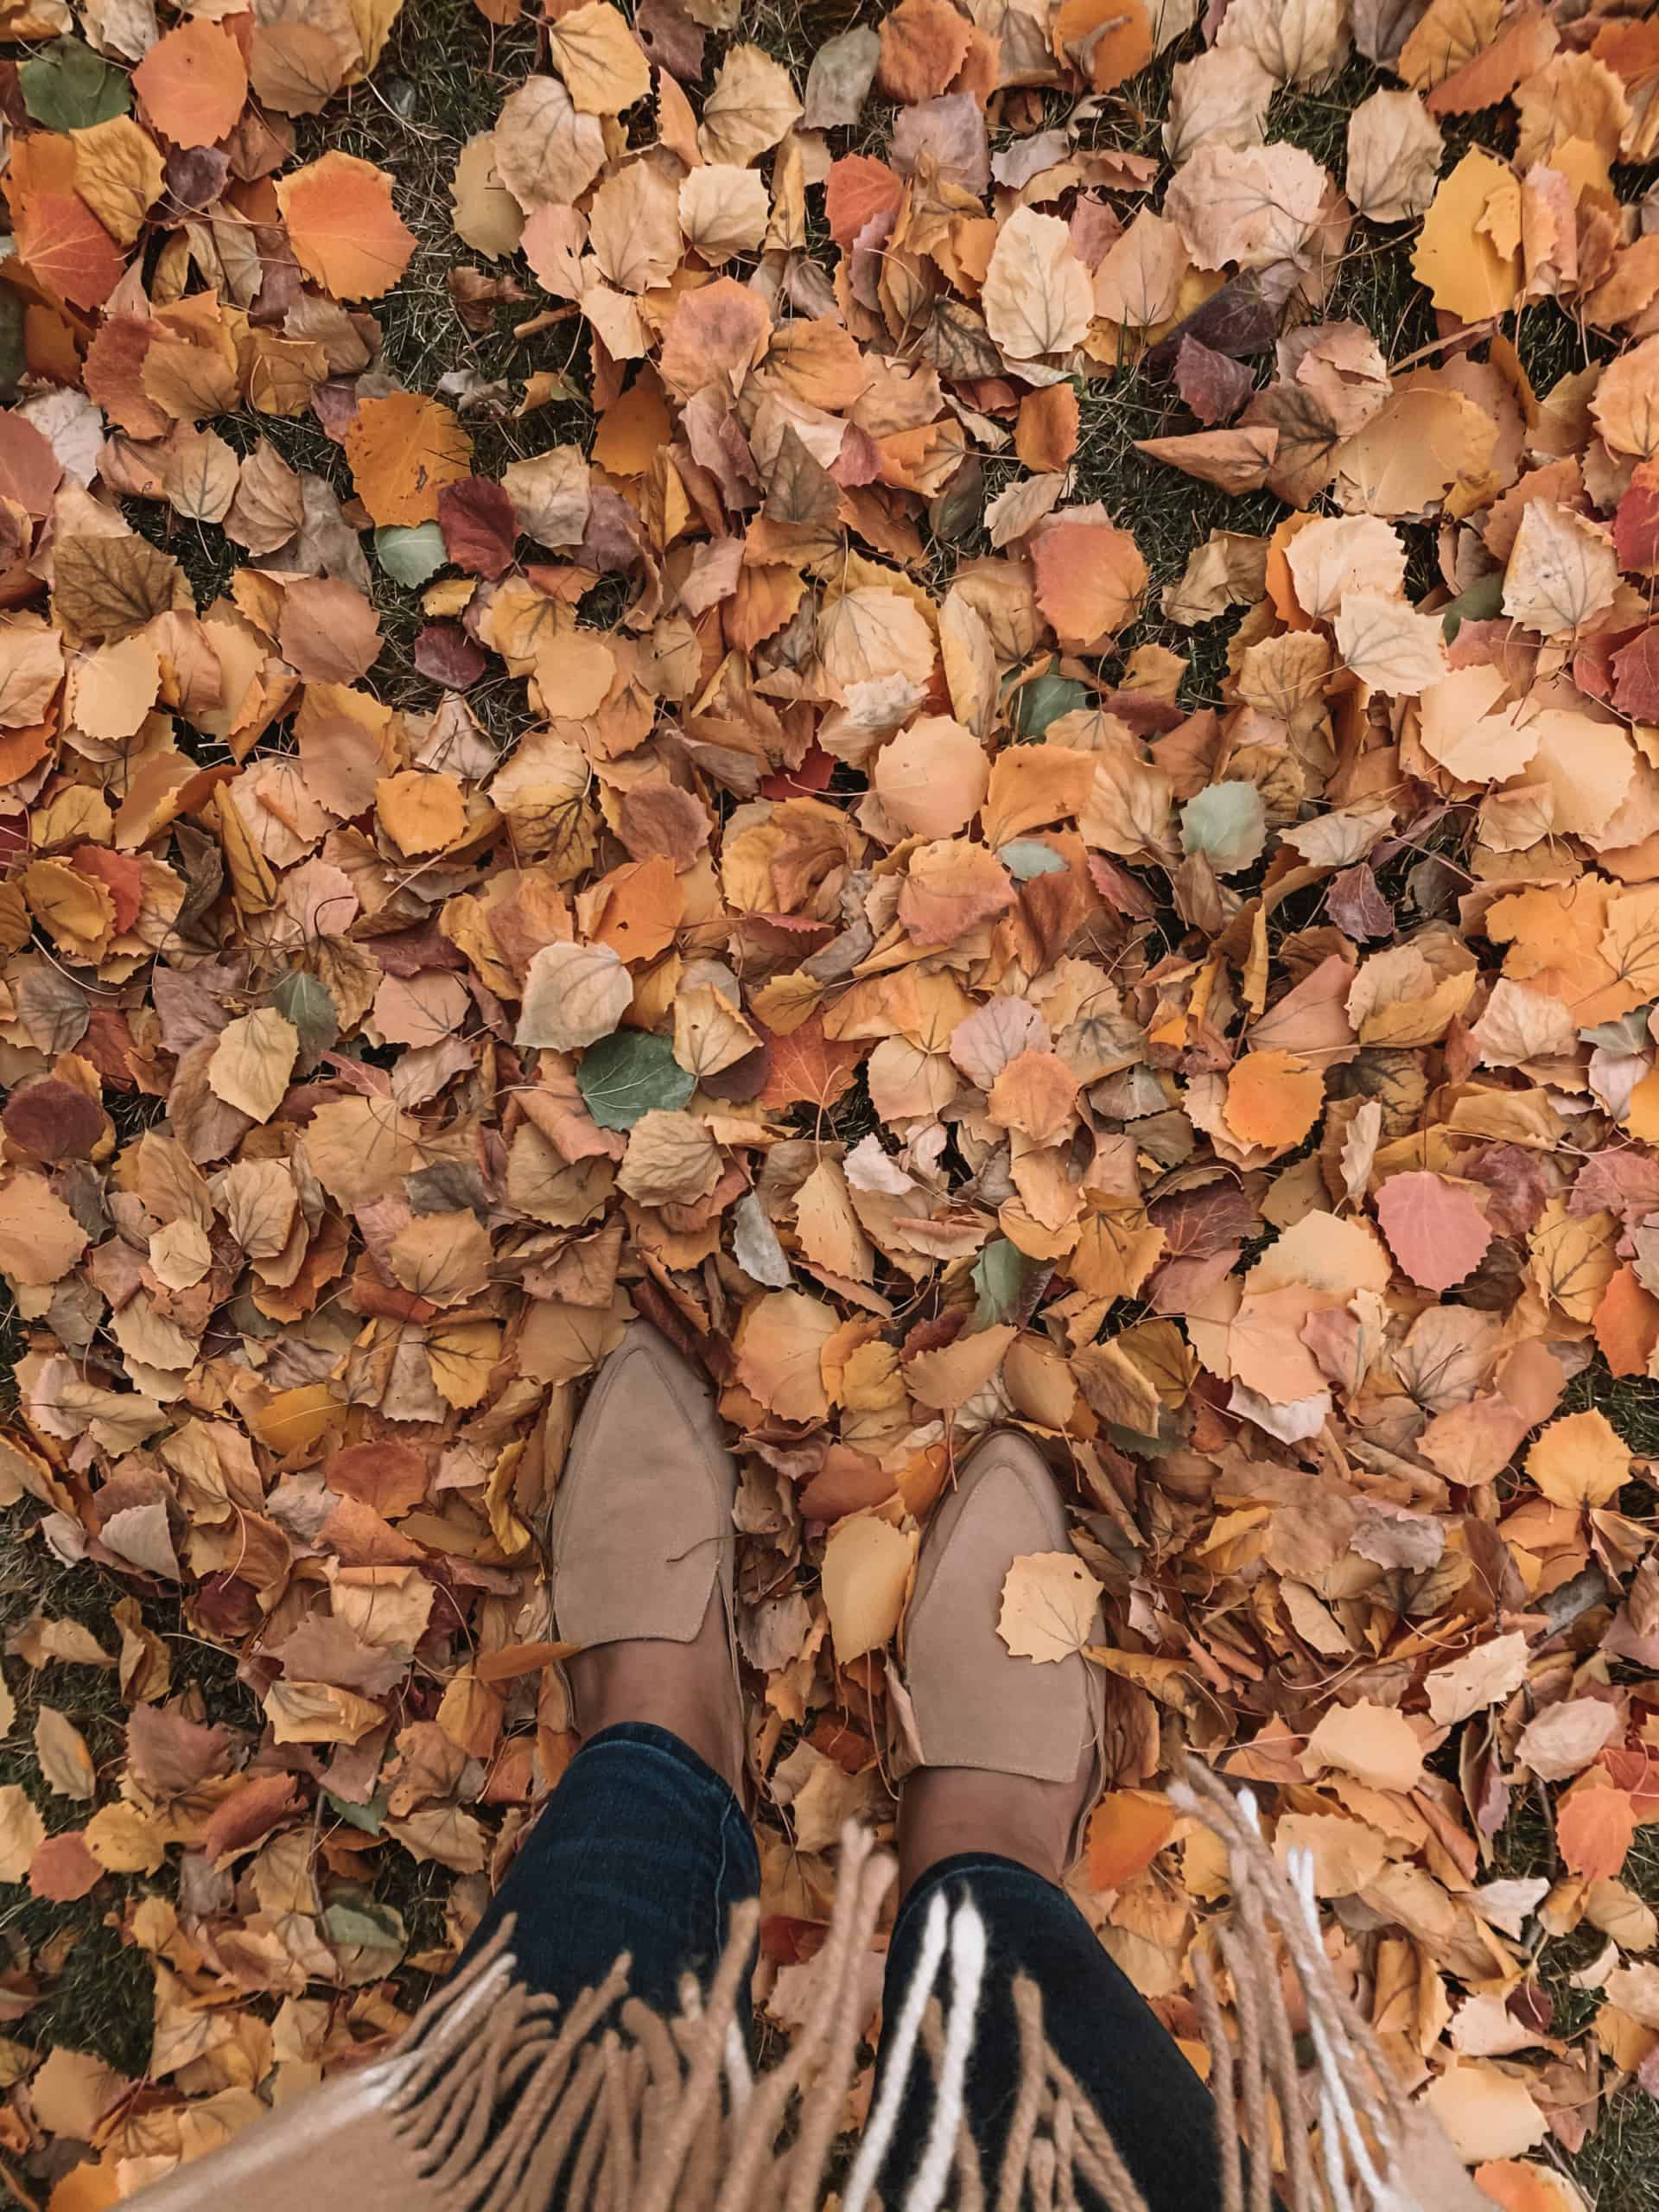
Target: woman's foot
(641, 1538)
(1009, 1760)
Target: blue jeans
(644, 1849)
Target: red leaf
(1636, 671)
(54, 1120)
(1357, 907)
(857, 189)
(1435, 1228)
(480, 528)
(63, 1869)
(1213, 385)
(813, 775)
(445, 654)
(1635, 524)
(247, 1813)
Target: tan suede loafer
(973, 1703)
(641, 1535)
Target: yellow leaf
(865, 1574)
(1464, 270)
(1049, 1609)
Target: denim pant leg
(1152, 2104)
(641, 1848)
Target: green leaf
(309, 1005)
(626, 1075)
(1482, 602)
(1029, 856)
(67, 86)
(1228, 823)
(1044, 700)
(357, 1921)
(1009, 1283)
(410, 555)
(370, 1817)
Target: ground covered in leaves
(962, 700)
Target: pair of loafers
(642, 1542)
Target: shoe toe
(641, 1529)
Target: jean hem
(964, 1866)
(633, 1737)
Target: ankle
(947, 1811)
(660, 1685)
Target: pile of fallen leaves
(859, 960)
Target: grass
(1617, 2166)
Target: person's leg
(1100, 2027)
(1008, 1769)
(643, 1847)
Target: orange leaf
(806, 1067)
(1045, 435)
(923, 43)
(1127, 1831)
(193, 83)
(1594, 1828)
(67, 247)
(1518, 2187)
(1626, 1323)
(344, 230)
(1273, 1099)
(1089, 579)
(1111, 39)
(403, 449)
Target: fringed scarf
(488, 2099)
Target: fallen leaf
(1049, 1606)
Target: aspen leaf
(443, 1257)
(1562, 1740)
(1486, 2112)
(22, 1833)
(64, 1761)
(1037, 295)
(601, 62)
(865, 1574)
(750, 105)
(1049, 1606)
(932, 778)
(1374, 1742)
(954, 1374)
(1388, 644)
(1127, 1831)
(1485, 1676)
(1394, 155)
(403, 449)
(547, 153)
(1579, 1460)
(1594, 1830)
(1562, 571)
(1436, 1228)
(779, 1346)
(40, 1238)
(574, 994)
(193, 83)
(1248, 206)
(1273, 1099)
(1464, 270)
(1089, 579)
(345, 231)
